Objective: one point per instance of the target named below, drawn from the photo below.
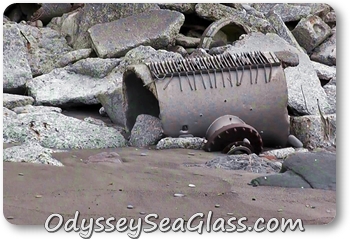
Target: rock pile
(77, 54)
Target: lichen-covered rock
(8, 113)
(251, 163)
(311, 32)
(302, 76)
(30, 152)
(94, 67)
(73, 56)
(187, 41)
(16, 69)
(280, 153)
(331, 91)
(287, 58)
(54, 130)
(312, 132)
(36, 109)
(326, 53)
(75, 25)
(147, 131)
(289, 13)
(324, 72)
(281, 29)
(11, 101)
(184, 143)
(63, 87)
(113, 39)
(216, 11)
(46, 46)
(94, 121)
(186, 8)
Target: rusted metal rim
(239, 146)
(230, 130)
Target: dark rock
(186, 8)
(330, 18)
(326, 53)
(250, 163)
(304, 170)
(147, 131)
(16, 69)
(312, 132)
(11, 101)
(287, 58)
(294, 142)
(300, 77)
(75, 25)
(311, 32)
(53, 130)
(159, 30)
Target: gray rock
(251, 163)
(16, 69)
(311, 131)
(179, 7)
(113, 39)
(304, 170)
(36, 109)
(55, 24)
(112, 102)
(75, 25)
(324, 72)
(331, 91)
(187, 41)
(94, 67)
(73, 56)
(311, 32)
(8, 113)
(178, 49)
(289, 13)
(247, 7)
(53, 130)
(263, 7)
(330, 18)
(11, 101)
(64, 88)
(30, 152)
(104, 157)
(184, 143)
(281, 29)
(102, 111)
(94, 121)
(280, 153)
(47, 46)
(287, 58)
(302, 75)
(326, 53)
(147, 131)
(319, 9)
(216, 11)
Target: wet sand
(148, 183)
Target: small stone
(253, 199)
(142, 213)
(130, 207)
(38, 196)
(280, 210)
(20, 174)
(328, 211)
(143, 154)
(111, 183)
(313, 207)
(307, 205)
(10, 217)
(230, 213)
(191, 185)
(179, 195)
(217, 205)
(192, 154)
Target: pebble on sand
(191, 185)
(130, 207)
(179, 195)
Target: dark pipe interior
(139, 100)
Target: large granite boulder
(45, 48)
(54, 130)
(16, 69)
(11, 101)
(75, 25)
(114, 39)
